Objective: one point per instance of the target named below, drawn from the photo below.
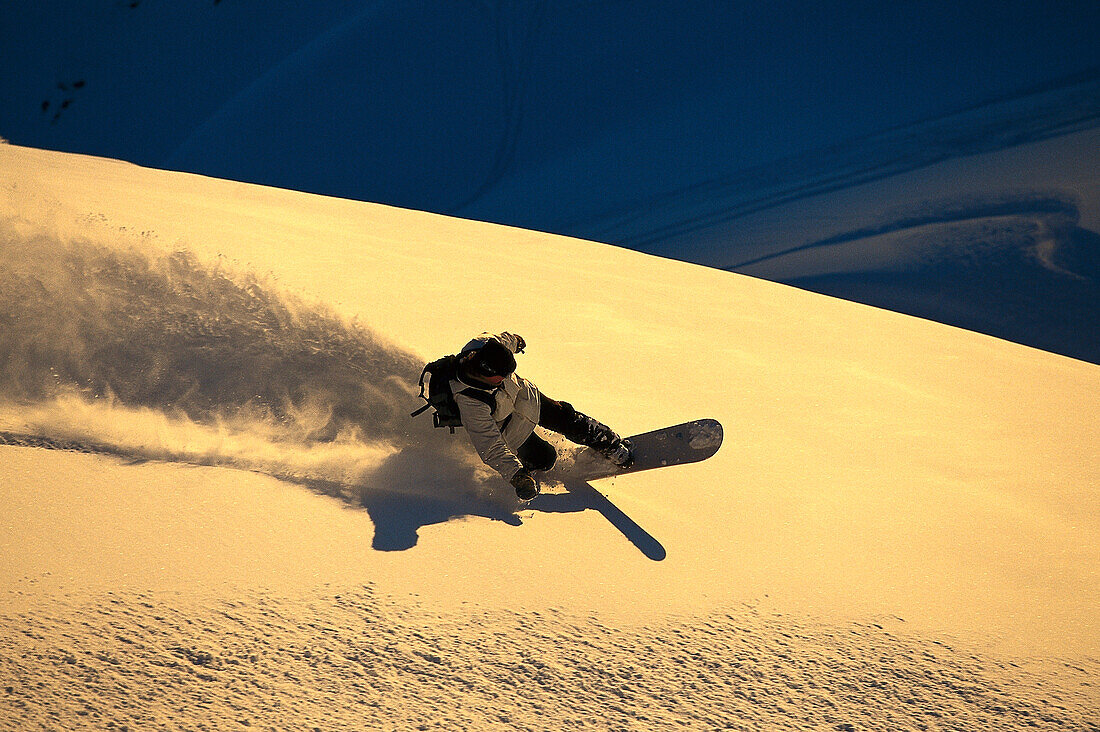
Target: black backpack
(440, 398)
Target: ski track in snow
(668, 222)
(1036, 207)
(132, 660)
(167, 358)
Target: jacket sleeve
(477, 418)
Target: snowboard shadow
(580, 495)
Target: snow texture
(131, 660)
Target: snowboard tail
(690, 442)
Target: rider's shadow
(398, 517)
(434, 483)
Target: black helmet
(494, 359)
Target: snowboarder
(500, 410)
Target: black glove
(525, 485)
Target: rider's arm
(477, 418)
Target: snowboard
(680, 444)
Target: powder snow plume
(161, 356)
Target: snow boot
(605, 441)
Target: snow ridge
(1016, 266)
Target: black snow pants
(538, 454)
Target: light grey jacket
(498, 432)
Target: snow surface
(238, 521)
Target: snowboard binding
(620, 453)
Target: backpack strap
(485, 397)
(428, 404)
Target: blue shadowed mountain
(695, 133)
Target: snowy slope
(238, 363)
(711, 132)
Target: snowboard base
(690, 442)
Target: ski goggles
(488, 373)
